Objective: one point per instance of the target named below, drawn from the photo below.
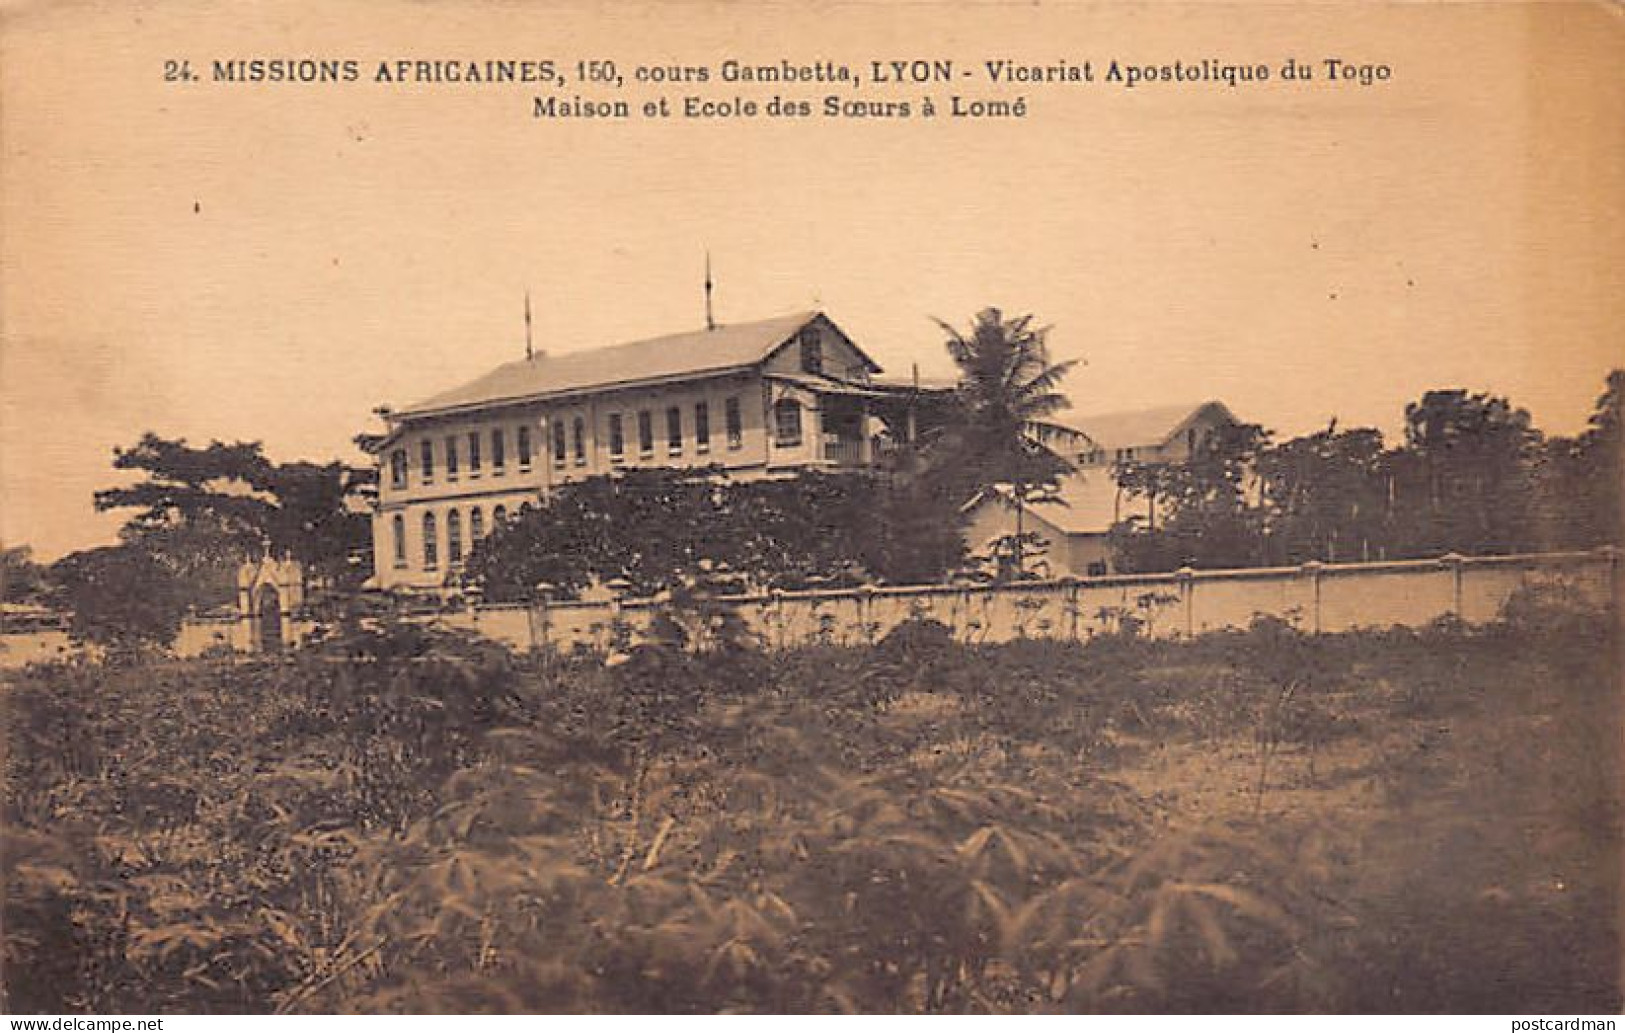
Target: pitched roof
(660, 358)
(1087, 503)
(1142, 427)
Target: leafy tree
(1004, 431)
(915, 533)
(657, 529)
(1325, 496)
(1600, 452)
(122, 597)
(1577, 480)
(1206, 517)
(1463, 481)
(21, 579)
(809, 529)
(320, 518)
(204, 511)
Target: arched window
(398, 530)
(559, 444)
(499, 515)
(476, 525)
(431, 548)
(524, 447)
(579, 430)
(787, 422)
(454, 537)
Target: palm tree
(1004, 432)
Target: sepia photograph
(828, 508)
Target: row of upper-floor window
(456, 545)
(569, 441)
(1095, 456)
(456, 448)
(673, 431)
(1193, 439)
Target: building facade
(758, 399)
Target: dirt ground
(1482, 839)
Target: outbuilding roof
(1086, 503)
(1139, 428)
(670, 357)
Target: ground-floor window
(702, 427)
(398, 532)
(787, 422)
(735, 425)
(431, 548)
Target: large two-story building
(756, 399)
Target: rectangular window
(674, 431)
(499, 458)
(474, 454)
(397, 468)
(646, 434)
(451, 458)
(734, 425)
(702, 428)
(787, 422)
(426, 458)
(560, 445)
(578, 428)
(617, 438)
(523, 447)
(812, 350)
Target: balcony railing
(841, 451)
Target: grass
(406, 820)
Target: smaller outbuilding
(1074, 522)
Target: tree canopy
(1471, 475)
(1002, 430)
(206, 510)
(655, 529)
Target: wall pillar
(1454, 563)
(1313, 571)
(1187, 597)
(1615, 572)
(1072, 587)
(866, 614)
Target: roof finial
(530, 352)
(710, 323)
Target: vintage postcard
(811, 508)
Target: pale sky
(270, 261)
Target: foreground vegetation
(404, 820)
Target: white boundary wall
(1314, 597)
